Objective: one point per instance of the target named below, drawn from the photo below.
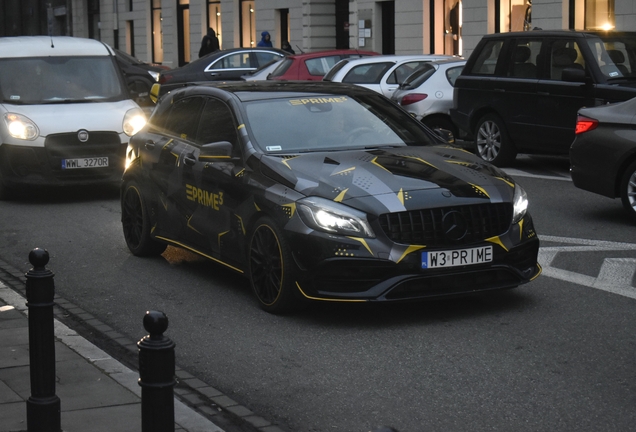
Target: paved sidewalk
(97, 393)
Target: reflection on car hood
(392, 176)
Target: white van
(66, 113)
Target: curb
(117, 356)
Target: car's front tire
(492, 142)
(628, 190)
(136, 223)
(270, 269)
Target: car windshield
(59, 80)
(330, 122)
(615, 55)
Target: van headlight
(134, 121)
(21, 127)
(332, 217)
(520, 204)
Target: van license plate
(94, 162)
(458, 257)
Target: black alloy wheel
(492, 142)
(270, 269)
(136, 223)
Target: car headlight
(332, 217)
(154, 75)
(21, 127)
(520, 204)
(134, 121)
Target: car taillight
(585, 124)
(164, 78)
(412, 98)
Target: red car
(313, 66)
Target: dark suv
(519, 92)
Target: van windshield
(40, 80)
(615, 55)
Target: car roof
(556, 33)
(449, 62)
(258, 90)
(52, 46)
(396, 58)
(324, 53)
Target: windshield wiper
(67, 101)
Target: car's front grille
(67, 145)
(448, 225)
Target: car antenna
(300, 49)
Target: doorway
(183, 31)
(388, 27)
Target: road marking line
(520, 173)
(616, 274)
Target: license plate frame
(457, 257)
(85, 163)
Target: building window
(515, 15)
(599, 15)
(248, 24)
(157, 32)
(214, 19)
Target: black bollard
(156, 375)
(43, 407)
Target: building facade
(169, 32)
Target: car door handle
(149, 145)
(189, 159)
(500, 90)
(214, 74)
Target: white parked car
(66, 113)
(382, 74)
(428, 93)
(263, 72)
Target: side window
(320, 66)
(453, 73)
(183, 118)
(523, 61)
(486, 62)
(217, 124)
(367, 73)
(239, 60)
(564, 54)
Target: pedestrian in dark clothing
(265, 40)
(209, 44)
(287, 47)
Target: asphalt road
(555, 354)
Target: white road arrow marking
(616, 274)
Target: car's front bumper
(42, 166)
(346, 269)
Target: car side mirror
(446, 135)
(573, 75)
(154, 92)
(216, 150)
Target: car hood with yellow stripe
(398, 178)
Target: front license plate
(94, 162)
(458, 257)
